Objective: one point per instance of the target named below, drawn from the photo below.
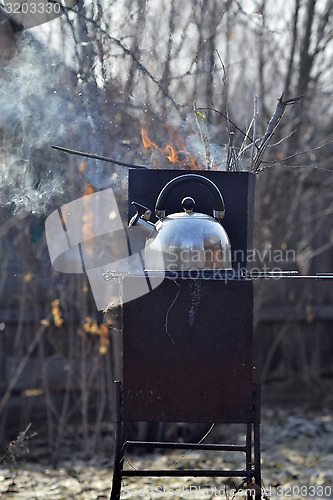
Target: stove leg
(118, 446)
(249, 483)
(257, 465)
(256, 437)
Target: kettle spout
(140, 221)
(145, 228)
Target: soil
(297, 463)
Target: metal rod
(187, 473)
(118, 440)
(319, 277)
(184, 446)
(97, 157)
(249, 457)
(257, 460)
(256, 439)
(287, 273)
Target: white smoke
(40, 106)
(30, 118)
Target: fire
(175, 152)
(145, 139)
(173, 156)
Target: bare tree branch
(272, 126)
(255, 119)
(203, 135)
(130, 53)
(292, 49)
(300, 153)
(276, 165)
(229, 120)
(225, 89)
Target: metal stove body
(188, 343)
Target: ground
(297, 463)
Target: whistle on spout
(140, 221)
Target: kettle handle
(219, 208)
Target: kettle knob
(188, 204)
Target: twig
(167, 313)
(255, 118)
(244, 147)
(276, 165)
(231, 159)
(299, 153)
(202, 126)
(229, 120)
(281, 140)
(189, 451)
(231, 153)
(272, 126)
(97, 157)
(224, 81)
(20, 441)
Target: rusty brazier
(188, 344)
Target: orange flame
(173, 156)
(174, 153)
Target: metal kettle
(184, 240)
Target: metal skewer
(289, 275)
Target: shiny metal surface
(184, 240)
(188, 240)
